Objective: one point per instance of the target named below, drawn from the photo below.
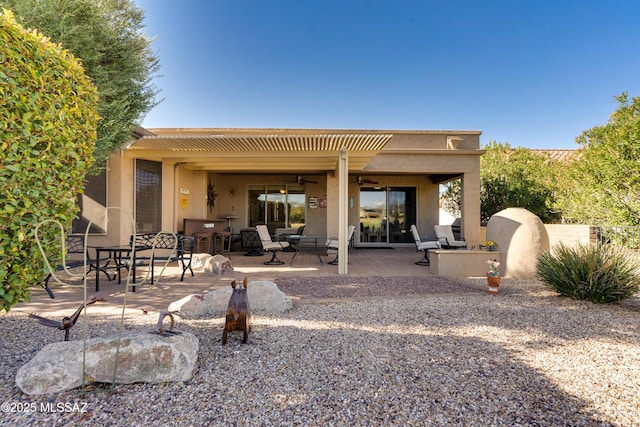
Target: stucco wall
(173, 187)
(568, 234)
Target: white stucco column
(343, 210)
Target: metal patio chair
(270, 245)
(423, 246)
(333, 243)
(444, 234)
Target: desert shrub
(48, 125)
(597, 273)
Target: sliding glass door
(402, 213)
(373, 215)
(386, 215)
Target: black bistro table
(314, 244)
(121, 256)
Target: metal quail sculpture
(160, 329)
(68, 321)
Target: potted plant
(490, 245)
(493, 277)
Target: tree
(603, 182)
(511, 177)
(517, 177)
(107, 36)
(48, 125)
(451, 198)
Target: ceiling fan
(362, 180)
(300, 180)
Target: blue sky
(532, 73)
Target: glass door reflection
(386, 215)
(373, 215)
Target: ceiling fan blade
(300, 180)
(362, 180)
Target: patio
(396, 262)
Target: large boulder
(521, 236)
(263, 296)
(218, 265)
(198, 260)
(143, 357)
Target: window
(148, 196)
(276, 205)
(92, 204)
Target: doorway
(386, 215)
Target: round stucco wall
(521, 236)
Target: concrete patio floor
(363, 262)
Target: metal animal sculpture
(238, 313)
(68, 321)
(160, 326)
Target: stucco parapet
(467, 152)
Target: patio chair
(293, 239)
(250, 242)
(423, 246)
(333, 243)
(444, 234)
(164, 247)
(270, 245)
(74, 245)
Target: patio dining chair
(270, 245)
(423, 246)
(333, 243)
(444, 234)
(293, 239)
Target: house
(381, 181)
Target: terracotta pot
(494, 284)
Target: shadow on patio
(392, 263)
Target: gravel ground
(364, 287)
(456, 357)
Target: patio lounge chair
(270, 245)
(423, 246)
(444, 234)
(333, 243)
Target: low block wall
(461, 263)
(568, 234)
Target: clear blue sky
(532, 73)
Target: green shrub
(597, 273)
(47, 133)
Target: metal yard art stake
(85, 273)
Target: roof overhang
(260, 152)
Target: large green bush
(108, 37)
(47, 132)
(597, 273)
